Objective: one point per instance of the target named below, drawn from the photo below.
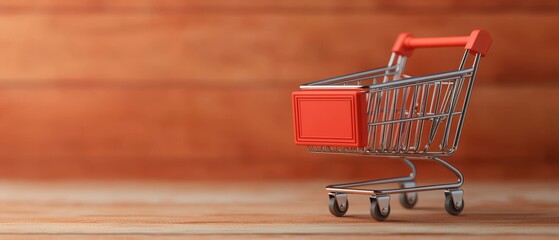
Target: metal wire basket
(384, 112)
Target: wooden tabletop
(277, 210)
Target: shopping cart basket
(384, 112)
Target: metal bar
(456, 97)
(432, 105)
(352, 75)
(343, 188)
(464, 59)
(392, 117)
(423, 108)
(412, 113)
(383, 127)
(412, 119)
(379, 97)
(402, 113)
(420, 79)
(436, 121)
(390, 62)
(360, 79)
(396, 77)
(366, 152)
(374, 119)
(460, 67)
(410, 177)
(386, 86)
(448, 166)
(446, 97)
(466, 102)
(334, 87)
(453, 100)
(401, 68)
(442, 81)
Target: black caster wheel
(337, 210)
(451, 207)
(408, 200)
(377, 213)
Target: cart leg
(445, 186)
(380, 198)
(347, 188)
(335, 188)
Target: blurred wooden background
(201, 89)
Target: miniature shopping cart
(384, 112)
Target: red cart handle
(479, 41)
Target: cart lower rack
(384, 112)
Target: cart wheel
(377, 213)
(450, 206)
(408, 200)
(335, 208)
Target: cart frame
(398, 104)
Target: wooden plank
(168, 210)
(183, 133)
(282, 48)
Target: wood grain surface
(201, 89)
(276, 210)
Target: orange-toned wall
(201, 89)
